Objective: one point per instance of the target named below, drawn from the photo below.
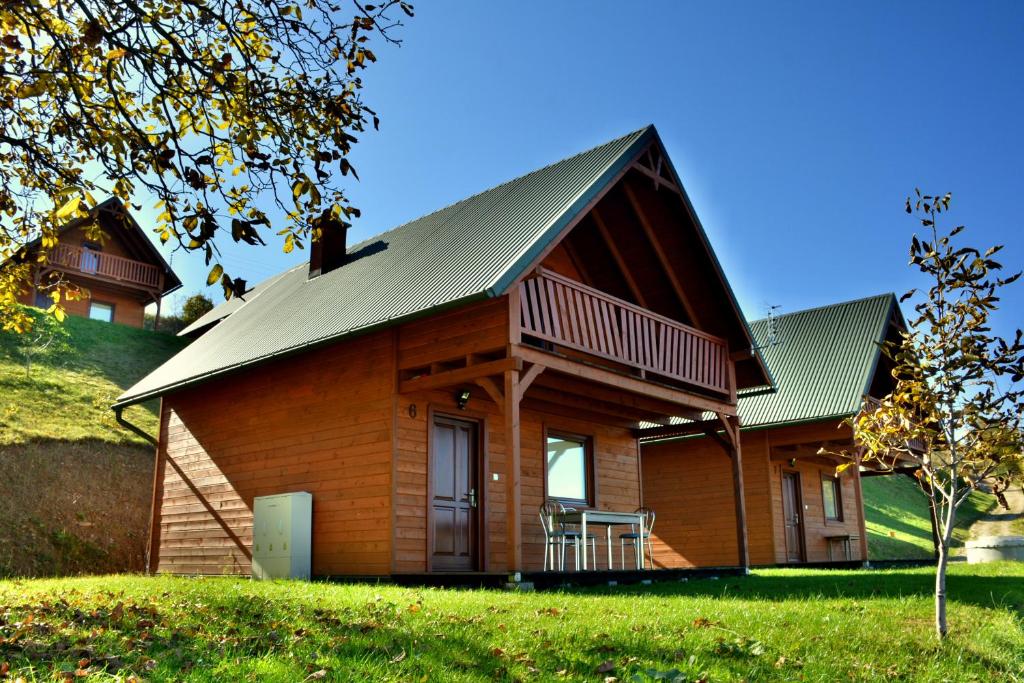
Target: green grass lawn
(896, 514)
(67, 396)
(773, 625)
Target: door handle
(472, 498)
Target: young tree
(196, 306)
(46, 335)
(230, 113)
(955, 412)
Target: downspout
(130, 427)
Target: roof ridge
(824, 306)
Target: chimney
(328, 252)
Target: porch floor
(541, 580)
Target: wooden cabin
(433, 385)
(824, 361)
(113, 264)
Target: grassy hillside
(896, 513)
(68, 395)
(783, 625)
(76, 484)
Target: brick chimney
(328, 252)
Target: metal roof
(454, 255)
(823, 363)
(226, 308)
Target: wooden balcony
(571, 315)
(107, 266)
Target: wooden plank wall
(319, 422)
(617, 476)
(689, 486)
(688, 483)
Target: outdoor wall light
(462, 398)
(792, 462)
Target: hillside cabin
(112, 263)
(433, 385)
(824, 362)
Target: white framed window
(99, 310)
(570, 468)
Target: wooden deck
(109, 267)
(567, 313)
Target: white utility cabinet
(282, 536)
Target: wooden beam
(459, 375)
(659, 181)
(732, 430)
(663, 259)
(685, 429)
(602, 227)
(587, 403)
(493, 390)
(513, 472)
(861, 522)
(576, 413)
(618, 396)
(685, 400)
(526, 378)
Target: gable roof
(470, 250)
(128, 232)
(823, 364)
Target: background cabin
(112, 262)
(433, 385)
(824, 362)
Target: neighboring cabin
(112, 260)
(824, 361)
(432, 386)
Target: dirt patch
(73, 507)
(1002, 522)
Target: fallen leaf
(399, 657)
(316, 675)
(606, 667)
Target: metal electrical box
(282, 536)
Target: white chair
(558, 537)
(634, 540)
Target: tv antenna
(773, 329)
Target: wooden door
(792, 516)
(454, 507)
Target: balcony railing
(107, 266)
(570, 314)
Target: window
(570, 468)
(831, 498)
(101, 311)
(90, 257)
(43, 300)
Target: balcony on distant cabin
(107, 267)
(565, 317)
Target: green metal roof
(226, 308)
(822, 364)
(469, 250)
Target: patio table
(608, 520)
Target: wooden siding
(688, 483)
(616, 470)
(320, 422)
(453, 335)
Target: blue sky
(798, 128)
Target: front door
(792, 515)
(454, 472)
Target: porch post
(513, 519)
(861, 522)
(156, 320)
(732, 429)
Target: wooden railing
(107, 266)
(570, 314)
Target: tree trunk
(941, 624)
